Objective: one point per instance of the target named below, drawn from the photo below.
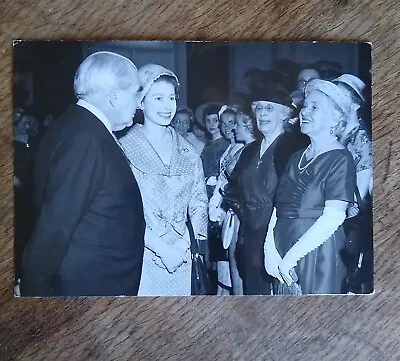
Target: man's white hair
(103, 71)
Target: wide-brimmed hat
(148, 74)
(331, 90)
(199, 112)
(353, 82)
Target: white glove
(212, 181)
(324, 227)
(272, 258)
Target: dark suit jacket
(89, 231)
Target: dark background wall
(51, 67)
(207, 71)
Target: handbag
(293, 289)
(200, 284)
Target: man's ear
(113, 97)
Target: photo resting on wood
(178, 168)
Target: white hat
(331, 90)
(148, 74)
(353, 82)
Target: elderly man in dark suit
(89, 231)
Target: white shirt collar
(97, 113)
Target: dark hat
(272, 90)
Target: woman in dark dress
(252, 185)
(214, 149)
(210, 157)
(311, 200)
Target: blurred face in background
(197, 131)
(181, 123)
(18, 113)
(212, 124)
(305, 76)
(227, 124)
(27, 125)
(241, 132)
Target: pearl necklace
(316, 155)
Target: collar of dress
(144, 157)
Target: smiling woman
(171, 181)
(254, 180)
(306, 238)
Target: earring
(331, 131)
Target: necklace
(316, 155)
(301, 169)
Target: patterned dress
(358, 143)
(170, 194)
(358, 226)
(210, 158)
(227, 163)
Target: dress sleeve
(232, 191)
(363, 149)
(341, 179)
(198, 205)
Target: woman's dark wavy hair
(210, 109)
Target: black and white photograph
(173, 168)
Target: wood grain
(235, 328)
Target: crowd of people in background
(277, 186)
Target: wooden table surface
(213, 328)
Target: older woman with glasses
(253, 182)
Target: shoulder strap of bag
(194, 247)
